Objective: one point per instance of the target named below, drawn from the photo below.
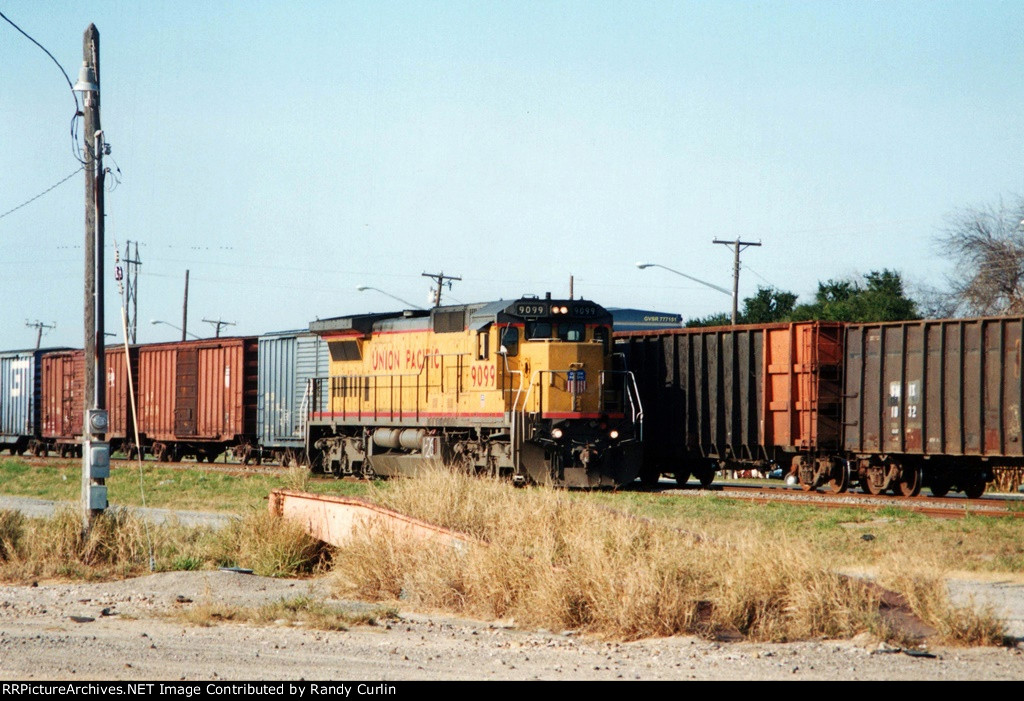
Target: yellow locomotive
(523, 388)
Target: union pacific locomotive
(523, 388)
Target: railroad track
(946, 507)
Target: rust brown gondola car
(753, 395)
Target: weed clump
(12, 530)
(270, 546)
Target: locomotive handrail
(633, 393)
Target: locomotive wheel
(649, 478)
(682, 477)
(909, 484)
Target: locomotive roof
(476, 316)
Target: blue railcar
(288, 361)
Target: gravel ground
(126, 639)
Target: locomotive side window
(483, 344)
(344, 350)
(538, 329)
(601, 334)
(510, 340)
(571, 332)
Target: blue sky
(286, 153)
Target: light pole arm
(176, 328)
(364, 288)
(688, 277)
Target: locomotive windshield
(571, 332)
(538, 329)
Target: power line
(63, 72)
(52, 187)
(78, 112)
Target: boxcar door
(186, 383)
(67, 397)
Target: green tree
(767, 305)
(881, 297)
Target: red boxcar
(63, 394)
(198, 397)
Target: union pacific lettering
(390, 359)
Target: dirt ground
(121, 636)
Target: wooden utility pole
(184, 310)
(440, 277)
(95, 451)
(93, 221)
(39, 327)
(738, 246)
(219, 323)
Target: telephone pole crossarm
(440, 278)
(738, 246)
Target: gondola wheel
(872, 483)
(706, 476)
(939, 486)
(909, 484)
(840, 481)
(682, 477)
(974, 487)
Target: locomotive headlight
(564, 310)
(613, 434)
(556, 433)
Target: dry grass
(12, 530)
(300, 611)
(298, 477)
(118, 545)
(270, 546)
(924, 587)
(561, 563)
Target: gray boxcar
(19, 399)
(288, 360)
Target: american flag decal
(577, 383)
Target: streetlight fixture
(364, 288)
(688, 277)
(177, 328)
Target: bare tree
(987, 247)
